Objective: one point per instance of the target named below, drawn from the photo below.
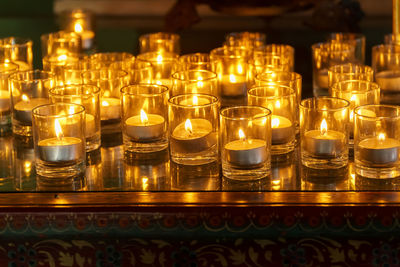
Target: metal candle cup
(233, 85)
(379, 152)
(145, 131)
(60, 150)
(246, 153)
(328, 144)
(23, 109)
(4, 101)
(282, 130)
(110, 108)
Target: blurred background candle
(60, 43)
(160, 42)
(17, 50)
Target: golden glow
(71, 110)
(381, 137)
(25, 98)
(240, 69)
(143, 117)
(195, 100)
(27, 167)
(78, 27)
(188, 126)
(107, 93)
(145, 184)
(275, 123)
(200, 83)
(232, 78)
(158, 82)
(242, 136)
(104, 103)
(159, 58)
(58, 130)
(277, 104)
(62, 57)
(324, 127)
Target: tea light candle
(322, 78)
(379, 150)
(388, 80)
(246, 153)
(233, 85)
(145, 127)
(324, 142)
(193, 136)
(281, 130)
(4, 101)
(23, 109)
(60, 149)
(110, 108)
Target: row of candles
(161, 100)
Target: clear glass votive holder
(358, 93)
(376, 141)
(281, 101)
(29, 89)
(120, 60)
(18, 50)
(193, 128)
(163, 64)
(284, 50)
(392, 39)
(356, 39)
(56, 65)
(230, 65)
(245, 142)
(6, 69)
(160, 42)
(145, 117)
(386, 65)
(325, 55)
(324, 133)
(60, 43)
(195, 61)
(349, 71)
(89, 97)
(248, 40)
(59, 141)
(194, 82)
(80, 21)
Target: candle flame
(71, 110)
(188, 126)
(240, 69)
(232, 78)
(199, 82)
(242, 136)
(275, 123)
(159, 58)
(353, 98)
(143, 117)
(25, 98)
(104, 103)
(158, 82)
(145, 185)
(106, 93)
(351, 115)
(381, 137)
(195, 100)
(58, 130)
(277, 104)
(78, 27)
(324, 127)
(62, 57)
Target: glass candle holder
(386, 65)
(195, 61)
(325, 55)
(89, 97)
(117, 60)
(164, 65)
(283, 50)
(358, 93)
(29, 89)
(81, 22)
(245, 39)
(376, 141)
(392, 39)
(194, 82)
(324, 132)
(59, 140)
(356, 39)
(281, 101)
(140, 72)
(144, 117)
(6, 69)
(245, 142)
(61, 43)
(160, 42)
(56, 65)
(349, 71)
(193, 128)
(230, 65)
(18, 50)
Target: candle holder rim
(14, 75)
(35, 111)
(386, 48)
(374, 86)
(93, 57)
(367, 69)
(289, 91)
(158, 35)
(257, 116)
(378, 117)
(52, 91)
(214, 101)
(70, 55)
(295, 75)
(150, 85)
(214, 56)
(213, 75)
(22, 41)
(104, 69)
(250, 33)
(325, 97)
(324, 45)
(172, 57)
(184, 56)
(286, 46)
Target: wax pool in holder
(6, 68)
(193, 128)
(144, 117)
(29, 89)
(59, 141)
(386, 65)
(89, 97)
(324, 132)
(376, 141)
(281, 101)
(245, 142)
